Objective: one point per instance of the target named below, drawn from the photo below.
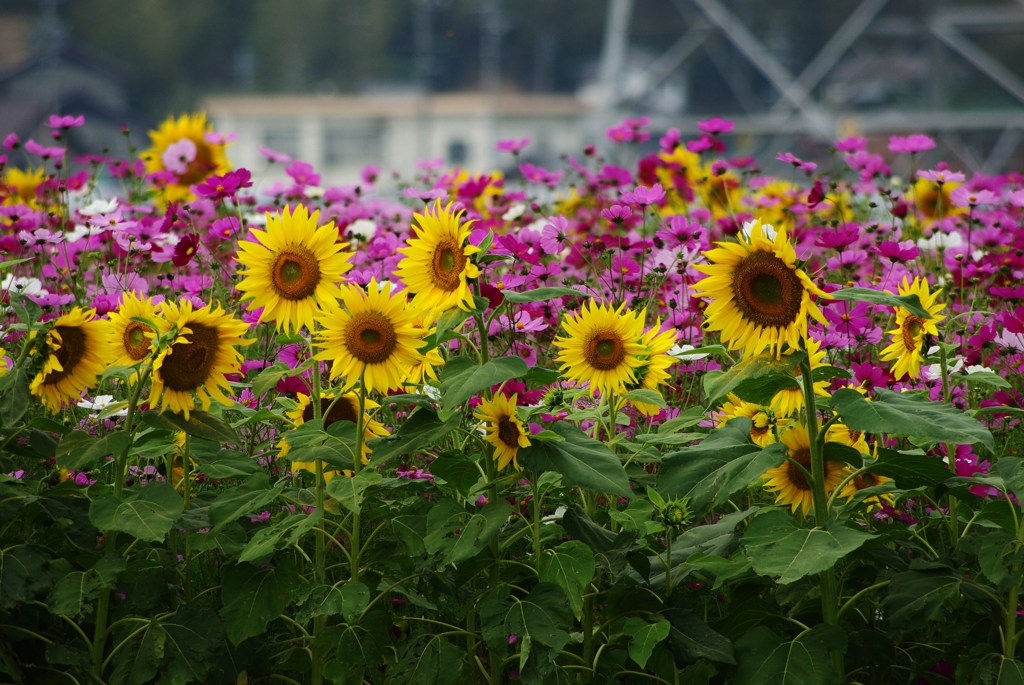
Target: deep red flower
(186, 249)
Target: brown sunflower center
(912, 328)
(449, 262)
(604, 350)
(189, 364)
(866, 480)
(296, 273)
(200, 167)
(70, 353)
(760, 425)
(371, 338)
(797, 476)
(135, 342)
(343, 410)
(766, 291)
(508, 431)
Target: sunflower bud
(676, 512)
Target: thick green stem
(320, 550)
(357, 465)
(99, 638)
(947, 394)
(827, 579)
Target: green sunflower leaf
(462, 377)
(909, 302)
(910, 414)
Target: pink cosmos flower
(219, 138)
(669, 141)
(370, 174)
(644, 196)
(911, 144)
(838, 238)
(898, 252)
(65, 122)
(716, 126)
(554, 235)
(790, 158)
(852, 144)
(11, 141)
(513, 146)
(219, 187)
(303, 173)
(630, 130)
(185, 249)
(617, 213)
(964, 197)
(35, 148)
(273, 156)
(941, 176)
(179, 155)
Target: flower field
(652, 416)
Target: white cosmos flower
(680, 353)
(362, 229)
(101, 402)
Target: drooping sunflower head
(438, 262)
(75, 352)
(863, 481)
(371, 337)
(759, 297)
(504, 429)
(601, 347)
(332, 410)
(763, 420)
(130, 339)
(791, 480)
(293, 268)
(907, 339)
(183, 154)
(199, 358)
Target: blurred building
(340, 134)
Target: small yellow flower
(504, 429)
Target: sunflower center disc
(604, 350)
(766, 291)
(508, 432)
(911, 330)
(72, 349)
(296, 273)
(200, 167)
(370, 338)
(136, 344)
(188, 364)
(449, 262)
(343, 410)
(802, 456)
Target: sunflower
(763, 420)
(791, 400)
(131, 340)
(760, 299)
(183, 154)
(293, 268)
(504, 429)
(654, 371)
(372, 337)
(77, 352)
(864, 480)
(425, 369)
(602, 347)
(19, 187)
(437, 264)
(791, 483)
(934, 201)
(908, 336)
(199, 358)
(344, 409)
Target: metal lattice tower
(958, 46)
